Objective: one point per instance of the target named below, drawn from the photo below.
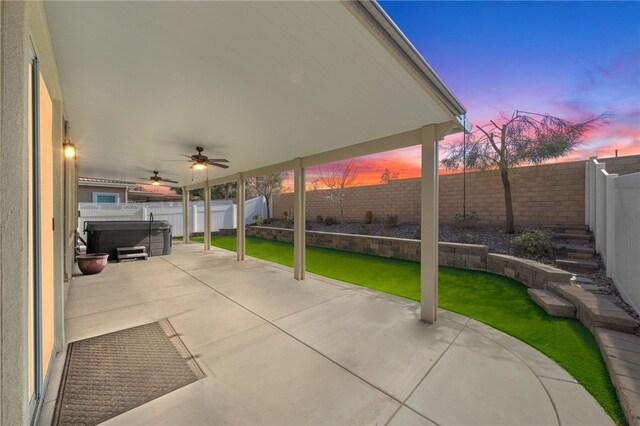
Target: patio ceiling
(257, 83)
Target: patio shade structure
(270, 86)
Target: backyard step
(577, 264)
(132, 253)
(580, 279)
(584, 238)
(576, 231)
(575, 227)
(584, 282)
(576, 255)
(575, 248)
(552, 303)
(595, 310)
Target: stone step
(595, 310)
(584, 282)
(580, 279)
(574, 237)
(552, 303)
(574, 227)
(576, 231)
(577, 264)
(575, 255)
(575, 248)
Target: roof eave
(395, 36)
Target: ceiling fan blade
(182, 161)
(212, 163)
(219, 160)
(169, 180)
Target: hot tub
(106, 237)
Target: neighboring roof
(86, 181)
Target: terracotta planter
(92, 263)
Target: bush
(392, 221)
(467, 221)
(258, 219)
(468, 238)
(368, 218)
(532, 243)
(363, 229)
(319, 219)
(330, 220)
(287, 218)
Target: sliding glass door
(40, 310)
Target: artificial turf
(498, 301)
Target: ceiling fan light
(155, 182)
(199, 166)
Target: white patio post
(429, 226)
(207, 217)
(299, 220)
(241, 220)
(185, 215)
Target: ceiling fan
(200, 161)
(157, 180)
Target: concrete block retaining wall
(468, 256)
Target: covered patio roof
(258, 83)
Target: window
(106, 197)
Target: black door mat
(105, 376)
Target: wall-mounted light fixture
(68, 147)
(69, 150)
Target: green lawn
(498, 301)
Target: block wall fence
(547, 194)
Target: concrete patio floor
(280, 351)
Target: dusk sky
(568, 59)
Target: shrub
(287, 218)
(330, 220)
(368, 218)
(319, 219)
(258, 219)
(467, 221)
(468, 238)
(532, 243)
(392, 221)
(363, 229)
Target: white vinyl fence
(223, 213)
(612, 212)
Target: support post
(429, 226)
(299, 217)
(207, 217)
(240, 221)
(185, 215)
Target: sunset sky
(569, 59)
